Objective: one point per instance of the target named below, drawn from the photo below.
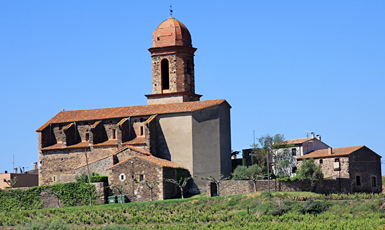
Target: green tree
(266, 148)
(309, 170)
(19, 194)
(252, 173)
(243, 158)
(11, 182)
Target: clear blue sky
(285, 66)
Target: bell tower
(172, 57)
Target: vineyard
(249, 211)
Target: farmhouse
(359, 164)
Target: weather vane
(171, 10)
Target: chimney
(330, 150)
(34, 165)
(319, 137)
(312, 134)
(15, 170)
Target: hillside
(286, 211)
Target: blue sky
(284, 66)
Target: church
(174, 134)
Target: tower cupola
(172, 57)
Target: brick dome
(171, 32)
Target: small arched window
(165, 74)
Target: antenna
(13, 162)
(171, 10)
(254, 137)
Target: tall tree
(267, 145)
(309, 170)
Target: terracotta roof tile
(150, 119)
(107, 143)
(335, 152)
(116, 152)
(95, 124)
(68, 126)
(121, 112)
(153, 159)
(299, 140)
(59, 146)
(136, 141)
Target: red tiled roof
(121, 112)
(116, 152)
(136, 141)
(153, 159)
(299, 140)
(59, 146)
(335, 152)
(107, 143)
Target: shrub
(99, 179)
(314, 207)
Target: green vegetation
(309, 170)
(252, 173)
(299, 210)
(70, 194)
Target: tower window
(114, 134)
(87, 136)
(141, 130)
(158, 38)
(165, 74)
(358, 180)
(189, 66)
(374, 182)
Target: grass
(297, 210)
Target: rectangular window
(141, 177)
(141, 130)
(294, 152)
(321, 161)
(358, 180)
(87, 136)
(374, 182)
(114, 134)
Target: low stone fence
(232, 187)
(51, 201)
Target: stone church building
(175, 131)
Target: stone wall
(51, 201)
(123, 175)
(232, 187)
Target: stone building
(285, 158)
(359, 164)
(175, 127)
(22, 180)
(289, 151)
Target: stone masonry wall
(232, 187)
(123, 175)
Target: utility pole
(268, 171)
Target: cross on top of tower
(170, 10)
